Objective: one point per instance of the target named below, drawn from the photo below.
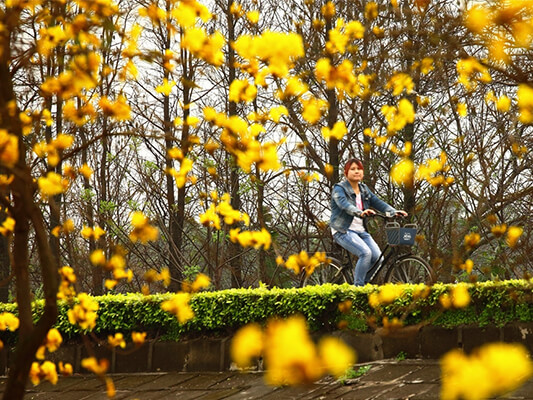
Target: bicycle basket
(400, 235)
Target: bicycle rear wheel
(410, 269)
(332, 272)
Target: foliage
(222, 312)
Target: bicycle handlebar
(386, 215)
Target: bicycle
(397, 262)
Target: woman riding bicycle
(351, 202)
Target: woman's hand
(367, 213)
(401, 213)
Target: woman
(351, 202)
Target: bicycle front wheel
(410, 269)
(332, 272)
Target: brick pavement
(386, 379)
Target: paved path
(388, 379)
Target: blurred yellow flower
(9, 152)
(338, 131)
(402, 174)
(52, 184)
(462, 110)
(477, 19)
(471, 240)
(117, 340)
(513, 234)
(491, 371)
(246, 345)
(9, 321)
(138, 338)
(179, 306)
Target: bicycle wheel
(409, 269)
(331, 272)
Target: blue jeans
(365, 248)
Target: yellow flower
(460, 296)
(246, 345)
(513, 234)
(53, 340)
(471, 240)
(426, 65)
(371, 11)
(462, 110)
(467, 266)
(142, 230)
(117, 340)
(335, 356)
(491, 371)
(65, 369)
(84, 313)
(525, 103)
(202, 281)
(179, 306)
(9, 152)
(86, 171)
(98, 367)
(138, 338)
(312, 109)
(52, 184)
(97, 257)
(7, 227)
(477, 19)
(119, 110)
(241, 90)
(402, 174)
(338, 131)
(166, 87)
(8, 321)
(253, 16)
(400, 82)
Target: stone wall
(212, 354)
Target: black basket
(400, 235)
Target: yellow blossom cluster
(398, 116)
(277, 49)
(220, 210)
(142, 230)
(84, 313)
(513, 234)
(303, 262)
(183, 175)
(66, 288)
(471, 71)
(65, 228)
(338, 131)
(289, 354)
(47, 371)
(116, 340)
(255, 239)
(82, 73)
(471, 240)
(525, 103)
(9, 152)
(434, 171)
(240, 139)
(51, 343)
(502, 25)
(201, 281)
(491, 371)
(92, 233)
(400, 82)
(458, 297)
(340, 37)
(242, 90)
(115, 264)
(204, 46)
(8, 321)
(386, 294)
(7, 227)
(179, 306)
(53, 149)
(52, 184)
(153, 276)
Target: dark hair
(349, 163)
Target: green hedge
(222, 312)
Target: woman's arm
(343, 202)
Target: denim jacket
(343, 206)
